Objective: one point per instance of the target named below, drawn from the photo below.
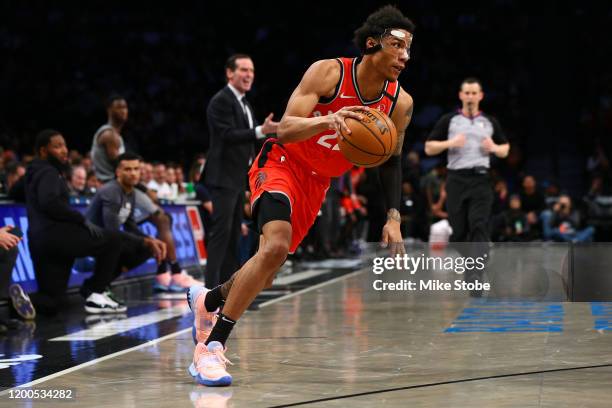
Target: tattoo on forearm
(225, 288)
(402, 132)
(394, 215)
(400, 143)
(409, 114)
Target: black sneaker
(101, 303)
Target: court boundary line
(97, 360)
(310, 288)
(428, 385)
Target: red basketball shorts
(273, 171)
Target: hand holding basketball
(338, 119)
(369, 140)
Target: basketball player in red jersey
(291, 174)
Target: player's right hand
(337, 119)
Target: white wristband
(258, 133)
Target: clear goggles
(396, 42)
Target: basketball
(372, 140)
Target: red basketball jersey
(321, 152)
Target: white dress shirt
(258, 133)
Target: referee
(470, 137)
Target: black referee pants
(469, 202)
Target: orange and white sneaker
(203, 320)
(181, 281)
(209, 365)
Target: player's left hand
(487, 145)
(392, 238)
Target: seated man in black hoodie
(58, 234)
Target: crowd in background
(352, 214)
(61, 62)
(169, 65)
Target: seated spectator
(113, 207)
(411, 168)
(171, 278)
(87, 163)
(412, 211)
(146, 173)
(15, 183)
(78, 183)
(14, 172)
(171, 180)
(27, 158)
(200, 159)
(551, 194)
(180, 181)
(353, 215)
(563, 223)
(20, 302)
(75, 157)
(598, 204)
(200, 192)
(435, 193)
(515, 227)
(58, 234)
(159, 184)
(92, 184)
(532, 202)
(500, 199)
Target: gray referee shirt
(475, 130)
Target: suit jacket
(232, 142)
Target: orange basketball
(371, 141)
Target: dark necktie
(245, 110)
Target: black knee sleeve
(271, 207)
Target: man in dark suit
(233, 132)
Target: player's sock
(222, 330)
(175, 267)
(213, 299)
(162, 268)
